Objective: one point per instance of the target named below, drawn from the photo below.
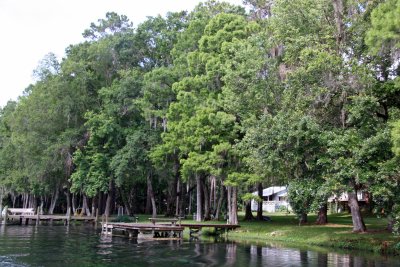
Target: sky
(30, 29)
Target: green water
(85, 246)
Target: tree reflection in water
(84, 246)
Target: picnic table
(165, 220)
(13, 211)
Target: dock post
(38, 216)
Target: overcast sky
(30, 29)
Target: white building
(274, 199)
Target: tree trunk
(108, 205)
(41, 205)
(13, 199)
(25, 200)
(199, 209)
(73, 203)
(303, 218)
(94, 205)
(219, 204)
(248, 214)
(107, 210)
(132, 201)
(68, 197)
(232, 205)
(148, 202)
(390, 224)
(322, 214)
(207, 216)
(260, 204)
(54, 199)
(1, 201)
(85, 206)
(178, 194)
(358, 222)
(100, 203)
(338, 12)
(171, 196)
(213, 193)
(190, 199)
(180, 210)
(151, 192)
(229, 200)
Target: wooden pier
(144, 230)
(26, 216)
(171, 230)
(26, 219)
(157, 228)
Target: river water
(85, 246)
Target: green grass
(336, 234)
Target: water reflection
(278, 256)
(84, 246)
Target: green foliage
(384, 31)
(124, 219)
(293, 93)
(396, 137)
(396, 218)
(301, 195)
(112, 24)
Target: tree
(111, 25)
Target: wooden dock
(26, 216)
(144, 230)
(26, 219)
(162, 230)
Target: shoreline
(337, 234)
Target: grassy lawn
(336, 234)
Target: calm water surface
(84, 246)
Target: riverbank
(336, 234)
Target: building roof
(280, 190)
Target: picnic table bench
(165, 220)
(13, 211)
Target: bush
(123, 218)
(281, 208)
(396, 219)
